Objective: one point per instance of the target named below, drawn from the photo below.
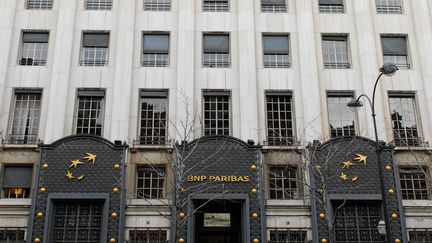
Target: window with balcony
(17, 181)
(276, 52)
(34, 49)
(331, 6)
(215, 5)
(39, 4)
(157, 5)
(341, 118)
(216, 52)
(283, 182)
(273, 6)
(90, 113)
(389, 6)
(153, 120)
(98, 5)
(413, 182)
(94, 50)
(25, 118)
(403, 115)
(150, 182)
(155, 50)
(335, 51)
(280, 118)
(395, 50)
(216, 113)
(288, 235)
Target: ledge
(14, 202)
(148, 202)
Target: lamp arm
(373, 94)
(367, 97)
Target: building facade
(274, 75)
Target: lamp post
(389, 70)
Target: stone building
(259, 79)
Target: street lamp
(388, 69)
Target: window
(12, 235)
(280, 118)
(420, 235)
(39, 4)
(331, 6)
(89, 114)
(157, 5)
(17, 181)
(341, 118)
(273, 6)
(34, 49)
(335, 51)
(153, 117)
(98, 4)
(25, 118)
(94, 50)
(217, 113)
(216, 50)
(395, 50)
(276, 51)
(389, 6)
(155, 50)
(288, 235)
(413, 183)
(357, 222)
(148, 236)
(404, 119)
(283, 182)
(150, 182)
(77, 221)
(215, 5)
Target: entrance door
(218, 221)
(77, 221)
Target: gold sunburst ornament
(361, 159)
(74, 164)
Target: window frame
(287, 238)
(215, 8)
(168, 53)
(298, 182)
(339, 94)
(82, 62)
(388, 7)
(158, 6)
(77, 102)
(157, 94)
(161, 171)
(408, 64)
(136, 231)
(274, 8)
(218, 94)
(336, 64)
(49, 4)
(289, 59)
(21, 47)
(99, 4)
(203, 52)
(332, 8)
(25, 189)
(411, 170)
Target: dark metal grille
(98, 4)
(150, 182)
(287, 235)
(89, 115)
(39, 4)
(26, 114)
(420, 235)
(388, 6)
(283, 182)
(413, 183)
(216, 5)
(404, 120)
(216, 115)
(12, 235)
(153, 121)
(341, 118)
(157, 5)
(279, 120)
(148, 236)
(357, 222)
(77, 222)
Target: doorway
(218, 221)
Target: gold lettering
(246, 179)
(224, 179)
(212, 178)
(203, 178)
(190, 178)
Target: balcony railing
(30, 139)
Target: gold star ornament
(347, 164)
(69, 175)
(75, 163)
(343, 177)
(90, 157)
(361, 159)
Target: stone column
(312, 127)
(123, 70)
(247, 71)
(57, 97)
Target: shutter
(156, 43)
(95, 40)
(91, 93)
(273, 2)
(35, 37)
(154, 94)
(394, 46)
(17, 177)
(276, 44)
(331, 2)
(216, 43)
